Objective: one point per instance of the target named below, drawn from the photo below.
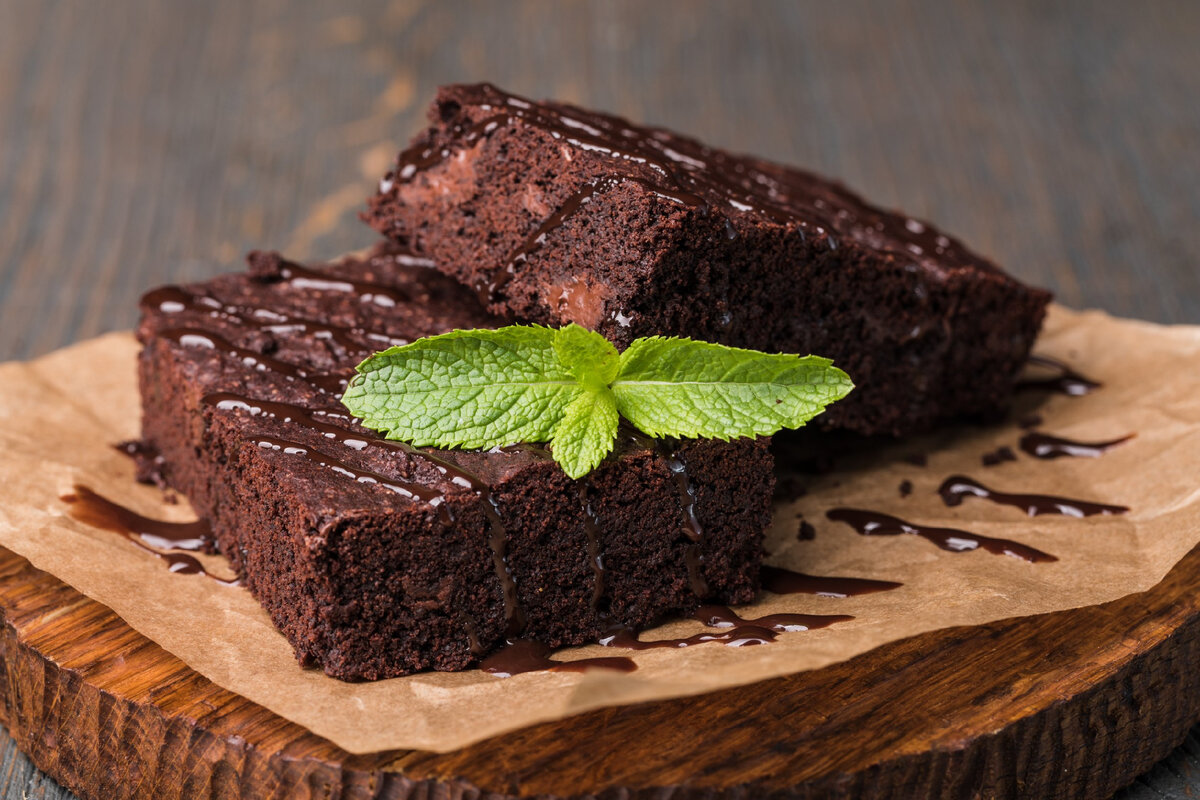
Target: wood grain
(142, 142)
(1067, 705)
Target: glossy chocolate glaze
(526, 655)
(161, 539)
(733, 630)
(739, 636)
(958, 487)
(873, 523)
(1066, 381)
(175, 299)
(784, 581)
(719, 616)
(1045, 446)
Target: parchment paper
(60, 415)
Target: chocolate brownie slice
(376, 559)
(556, 214)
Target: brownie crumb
(147, 462)
(998, 456)
(265, 265)
(806, 532)
(906, 488)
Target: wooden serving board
(1073, 704)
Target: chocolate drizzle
(732, 630)
(784, 581)
(526, 655)
(739, 636)
(412, 491)
(718, 616)
(958, 487)
(157, 537)
(1043, 445)
(301, 277)
(692, 529)
(205, 339)
(1066, 381)
(591, 529)
(176, 299)
(873, 523)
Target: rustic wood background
(146, 142)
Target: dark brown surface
(142, 143)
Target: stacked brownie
(554, 214)
(377, 559)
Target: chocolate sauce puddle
(1067, 381)
(732, 630)
(873, 523)
(526, 655)
(739, 636)
(958, 487)
(718, 616)
(784, 581)
(149, 535)
(1043, 445)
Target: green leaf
(686, 388)
(590, 357)
(475, 388)
(586, 432)
(569, 387)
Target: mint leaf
(586, 433)
(569, 387)
(682, 387)
(476, 388)
(590, 357)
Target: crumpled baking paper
(61, 414)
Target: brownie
(377, 559)
(556, 214)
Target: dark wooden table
(146, 142)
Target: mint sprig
(568, 387)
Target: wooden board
(1067, 705)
